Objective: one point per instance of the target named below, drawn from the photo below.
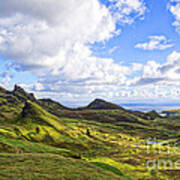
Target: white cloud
(155, 42)
(36, 33)
(125, 11)
(154, 73)
(155, 82)
(174, 8)
(52, 38)
(151, 76)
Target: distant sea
(150, 107)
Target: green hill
(12, 102)
(98, 104)
(52, 106)
(153, 114)
(33, 113)
(41, 139)
(45, 166)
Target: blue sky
(157, 21)
(73, 52)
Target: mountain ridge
(104, 134)
(16, 98)
(102, 104)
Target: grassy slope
(33, 113)
(18, 146)
(104, 143)
(50, 131)
(112, 139)
(10, 106)
(105, 116)
(45, 166)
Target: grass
(49, 166)
(107, 144)
(34, 113)
(111, 168)
(84, 144)
(19, 146)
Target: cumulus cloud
(52, 39)
(174, 8)
(155, 42)
(47, 34)
(160, 74)
(154, 80)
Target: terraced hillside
(42, 139)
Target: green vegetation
(110, 168)
(41, 139)
(46, 166)
(153, 114)
(101, 104)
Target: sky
(73, 51)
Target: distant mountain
(102, 104)
(36, 134)
(153, 114)
(13, 102)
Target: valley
(42, 139)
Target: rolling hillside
(102, 140)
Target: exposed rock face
(27, 110)
(22, 94)
(18, 89)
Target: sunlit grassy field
(86, 144)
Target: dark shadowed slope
(22, 94)
(12, 102)
(52, 106)
(104, 136)
(102, 104)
